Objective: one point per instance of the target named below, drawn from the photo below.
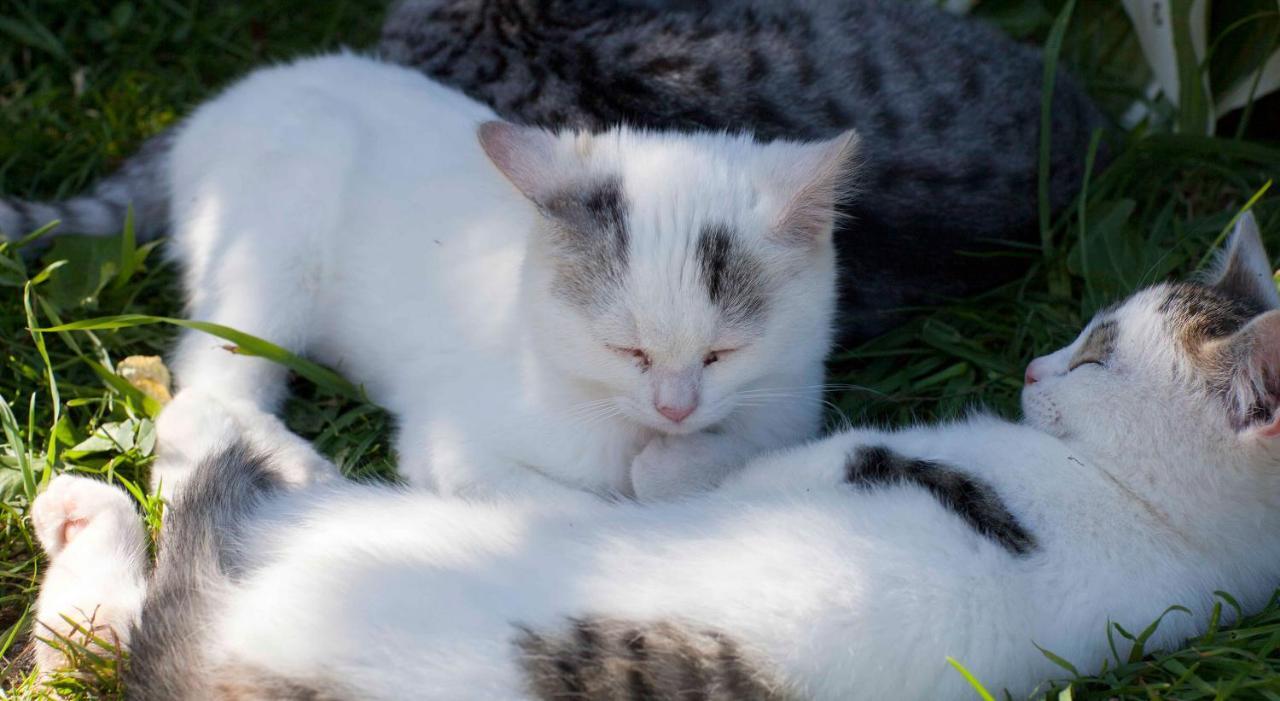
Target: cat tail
(200, 554)
(142, 182)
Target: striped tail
(141, 182)
(199, 555)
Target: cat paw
(670, 467)
(71, 505)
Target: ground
(83, 82)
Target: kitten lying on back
(1144, 475)
(949, 111)
(638, 315)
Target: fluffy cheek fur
(1068, 406)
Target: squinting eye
(715, 355)
(641, 358)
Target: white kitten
(640, 314)
(1147, 474)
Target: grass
(82, 83)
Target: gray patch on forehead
(599, 658)
(1099, 344)
(733, 278)
(1197, 313)
(592, 242)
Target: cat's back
(329, 107)
(364, 183)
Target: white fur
(1138, 492)
(343, 208)
(97, 576)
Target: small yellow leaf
(149, 375)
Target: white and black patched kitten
(626, 313)
(948, 109)
(850, 568)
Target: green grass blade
(1052, 50)
(13, 436)
(245, 344)
(1226, 230)
(973, 681)
(128, 251)
(1194, 109)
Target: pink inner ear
(828, 169)
(525, 155)
(1270, 430)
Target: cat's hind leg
(98, 567)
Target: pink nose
(676, 413)
(1033, 374)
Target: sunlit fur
(344, 209)
(1134, 490)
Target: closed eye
(717, 355)
(1097, 347)
(1081, 362)
(638, 355)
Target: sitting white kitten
(640, 314)
(1145, 475)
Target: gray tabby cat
(947, 107)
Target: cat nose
(676, 413)
(1034, 372)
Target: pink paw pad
(72, 504)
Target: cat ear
(1244, 271)
(819, 176)
(525, 155)
(1253, 389)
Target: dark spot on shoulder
(973, 500)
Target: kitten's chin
(1040, 413)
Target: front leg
(674, 465)
(197, 425)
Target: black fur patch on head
(733, 278)
(968, 497)
(597, 658)
(590, 235)
(1098, 345)
(1198, 313)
